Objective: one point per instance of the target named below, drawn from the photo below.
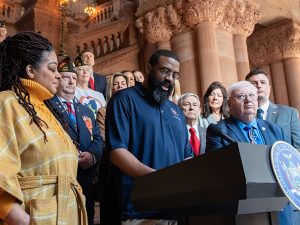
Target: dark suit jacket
(85, 141)
(270, 133)
(288, 119)
(100, 83)
(202, 134)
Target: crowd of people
(59, 119)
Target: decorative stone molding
(159, 24)
(247, 15)
(274, 43)
(195, 11)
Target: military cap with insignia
(2, 24)
(66, 65)
(79, 61)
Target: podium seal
(285, 160)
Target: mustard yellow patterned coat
(40, 174)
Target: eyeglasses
(166, 72)
(242, 97)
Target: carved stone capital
(247, 15)
(160, 24)
(195, 11)
(274, 43)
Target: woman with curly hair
(38, 160)
(214, 104)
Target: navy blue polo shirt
(154, 133)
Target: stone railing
(105, 43)
(104, 13)
(11, 12)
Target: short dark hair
(161, 52)
(256, 71)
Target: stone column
(208, 54)
(226, 57)
(247, 15)
(292, 71)
(184, 46)
(278, 83)
(241, 56)
(267, 69)
(203, 16)
(163, 45)
(156, 27)
(273, 45)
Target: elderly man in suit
(285, 117)
(190, 105)
(97, 81)
(242, 125)
(80, 124)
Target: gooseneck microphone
(216, 130)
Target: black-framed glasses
(167, 72)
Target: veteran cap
(66, 65)
(79, 61)
(2, 24)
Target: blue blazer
(85, 141)
(100, 83)
(269, 131)
(288, 119)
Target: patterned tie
(254, 138)
(195, 142)
(71, 112)
(91, 83)
(260, 113)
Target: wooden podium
(234, 185)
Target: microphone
(216, 130)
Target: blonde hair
(176, 93)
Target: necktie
(91, 83)
(254, 138)
(260, 113)
(195, 142)
(71, 111)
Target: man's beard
(156, 92)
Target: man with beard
(146, 132)
(242, 125)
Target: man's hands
(17, 216)
(86, 160)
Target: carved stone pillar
(279, 43)
(156, 27)
(163, 45)
(246, 16)
(279, 83)
(203, 16)
(208, 54)
(292, 71)
(184, 46)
